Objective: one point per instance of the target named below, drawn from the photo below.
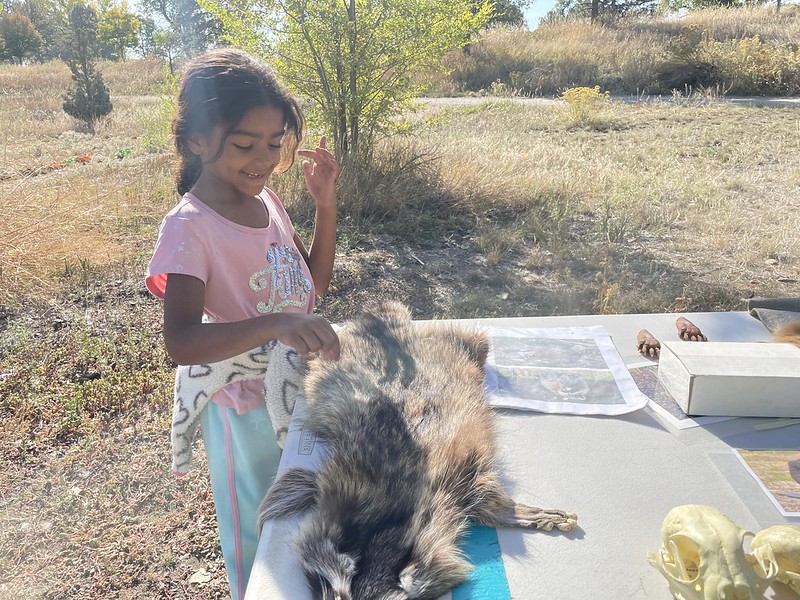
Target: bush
(89, 99)
(751, 67)
(585, 105)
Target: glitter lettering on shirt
(283, 279)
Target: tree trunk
(595, 10)
(351, 16)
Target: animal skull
(703, 558)
(777, 552)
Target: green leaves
(354, 61)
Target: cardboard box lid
(737, 358)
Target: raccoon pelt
(411, 461)
(788, 334)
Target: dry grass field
(496, 208)
(743, 50)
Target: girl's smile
(237, 163)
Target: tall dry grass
(634, 55)
(747, 21)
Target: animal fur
(788, 334)
(411, 461)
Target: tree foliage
(117, 31)
(89, 99)
(20, 38)
(191, 29)
(509, 12)
(353, 60)
(620, 8)
(49, 18)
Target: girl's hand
(306, 333)
(321, 172)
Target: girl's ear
(197, 144)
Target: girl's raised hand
(321, 171)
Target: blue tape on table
(488, 580)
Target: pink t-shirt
(247, 271)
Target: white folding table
(620, 474)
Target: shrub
(89, 99)
(751, 67)
(584, 105)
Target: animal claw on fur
(570, 524)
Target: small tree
(355, 61)
(19, 36)
(166, 45)
(89, 99)
(509, 12)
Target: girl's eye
(244, 147)
(275, 146)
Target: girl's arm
(189, 341)
(320, 174)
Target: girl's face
(249, 153)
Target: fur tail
(788, 334)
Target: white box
(734, 379)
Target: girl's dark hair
(218, 88)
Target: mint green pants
(243, 457)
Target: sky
(536, 11)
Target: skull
(776, 550)
(703, 558)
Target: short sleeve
(179, 249)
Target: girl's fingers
(320, 155)
(316, 340)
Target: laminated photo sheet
(661, 402)
(565, 370)
(778, 475)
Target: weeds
(156, 124)
(67, 382)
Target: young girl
(233, 273)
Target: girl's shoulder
(271, 198)
(191, 213)
(188, 206)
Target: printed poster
(778, 474)
(567, 370)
